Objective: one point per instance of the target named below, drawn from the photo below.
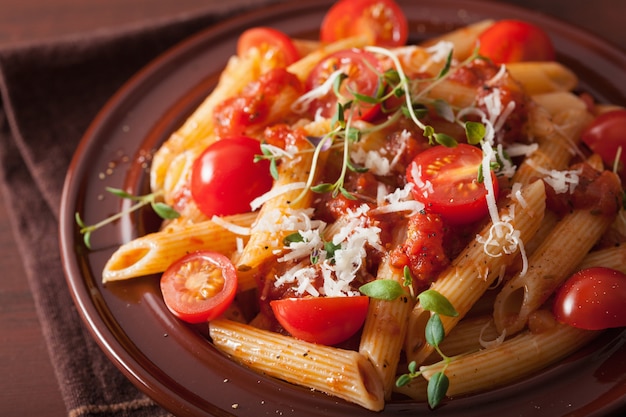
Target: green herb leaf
(330, 249)
(121, 193)
(475, 132)
(437, 388)
(446, 67)
(382, 289)
(322, 188)
(445, 140)
(432, 300)
(293, 238)
(346, 194)
(165, 211)
(403, 380)
(408, 278)
(434, 331)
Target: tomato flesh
(445, 179)
(513, 41)
(592, 299)
(382, 20)
(322, 320)
(361, 69)
(605, 136)
(267, 39)
(225, 178)
(200, 286)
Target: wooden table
(28, 386)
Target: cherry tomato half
(592, 299)
(383, 20)
(361, 68)
(514, 41)
(605, 135)
(266, 39)
(200, 286)
(446, 180)
(225, 178)
(323, 320)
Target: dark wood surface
(28, 386)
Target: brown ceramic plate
(175, 363)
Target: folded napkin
(50, 92)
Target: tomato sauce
(599, 192)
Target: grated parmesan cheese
(561, 181)
(274, 192)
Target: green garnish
(161, 209)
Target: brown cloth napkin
(50, 92)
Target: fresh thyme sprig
(437, 304)
(163, 210)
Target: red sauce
(600, 192)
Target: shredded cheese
(274, 192)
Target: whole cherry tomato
(323, 320)
(515, 40)
(200, 286)
(383, 20)
(225, 178)
(592, 299)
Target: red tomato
(361, 68)
(266, 39)
(225, 178)
(446, 181)
(605, 135)
(199, 286)
(592, 299)
(513, 41)
(323, 320)
(383, 20)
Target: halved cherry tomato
(446, 181)
(225, 178)
(592, 299)
(323, 320)
(266, 39)
(362, 69)
(383, 20)
(199, 286)
(515, 40)
(605, 135)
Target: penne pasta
(353, 376)
(552, 262)
(522, 355)
(154, 252)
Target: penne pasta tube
(385, 328)
(543, 77)
(154, 252)
(476, 268)
(550, 264)
(303, 67)
(516, 358)
(470, 335)
(613, 257)
(464, 39)
(352, 376)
